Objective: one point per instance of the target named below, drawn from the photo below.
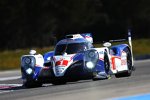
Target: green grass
(141, 46)
(11, 59)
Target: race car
(75, 58)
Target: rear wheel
(129, 64)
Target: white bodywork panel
(119, 64)
(39, 60)
(61, 64)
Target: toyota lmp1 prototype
(75, 58)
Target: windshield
(70, 48)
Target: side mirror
(107, 44)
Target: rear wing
(121, 40)
(87, 36)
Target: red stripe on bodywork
(113, 62)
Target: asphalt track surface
(111, 89)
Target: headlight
(91, 57)
(28, 61)
(90, 65)
(29, 71)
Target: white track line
(10, 78)
(10, 84)
(6, 91)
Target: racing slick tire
(106, 63)
(129, 64)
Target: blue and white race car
(75, 58)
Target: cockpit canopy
(71, 48)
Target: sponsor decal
(123, 58)
(62, 63)
(123, 62)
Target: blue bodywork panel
(48, 54)
(99, 66)
(37, 70)
(118, 49)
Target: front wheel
(106, 75)
(106, 63)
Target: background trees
(30, 23)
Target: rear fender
(119, 58)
